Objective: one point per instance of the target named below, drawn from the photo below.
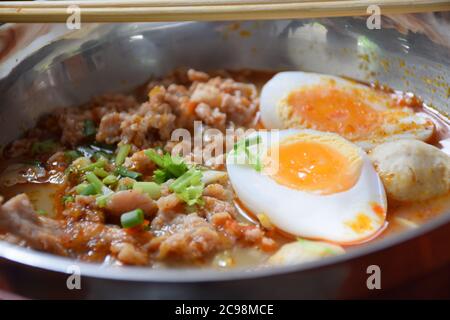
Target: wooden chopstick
(142, 3)
(243, 11)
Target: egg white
(308, 214)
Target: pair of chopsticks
(186, 10)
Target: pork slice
(17, 217)
(19, 220)
(190, 238)
(127, 200)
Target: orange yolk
(327, 108)
(361, 224)
(314, 167)
(379, 211)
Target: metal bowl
(117, 57)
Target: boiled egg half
(357, 112)
(310, 184)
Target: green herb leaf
(192, 195)
(159, 176)
(170, 167)
(189, 187)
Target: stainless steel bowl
(118, 57)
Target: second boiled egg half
(310, 184)
(357, 112)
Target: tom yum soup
(285, 168)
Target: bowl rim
(54, 263)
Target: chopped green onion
(46, 146)
(151, 188)
(191, 177)
(124, 172)
(102, 200)
(110, 179)
(85, 189)
(155, 157)
(189, 187)
(98, 164)
(80, 188)
(67, 198)
(89, 128)
(132, 219)
(95, 181)
(100, 172)
(122, 153)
